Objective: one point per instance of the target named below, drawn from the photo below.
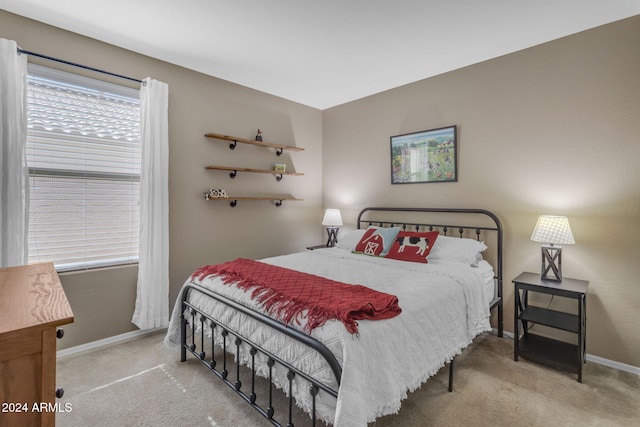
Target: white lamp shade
(553, 229)
(332, 218)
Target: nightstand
(311, 248)
(555, 353)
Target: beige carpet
(142, 383)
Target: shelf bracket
(279, 151)
(233, 174)
(279, 177)
(233, 203)
(233, 146)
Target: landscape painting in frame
(426, 156)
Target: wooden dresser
(32, 306)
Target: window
(83, 153)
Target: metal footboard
(192, 315)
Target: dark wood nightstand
(555, 353)
(311, 248)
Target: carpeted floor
(142, 383)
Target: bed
(335, 376)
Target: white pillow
(350, 239)
(467, 251)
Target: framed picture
(425, 156)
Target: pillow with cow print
(377, 241)
(412, 246)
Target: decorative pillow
(377, 240)
(350, 239)
(460, 249)
(413, 246)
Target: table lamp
(554, 230)
(332, 220)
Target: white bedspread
(443, 308)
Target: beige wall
(549, 130)
(552, 129)
(200, 232)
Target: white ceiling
(323, 53)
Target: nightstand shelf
(551, 318)
(557, 354)
(549, 351)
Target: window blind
(83, 153)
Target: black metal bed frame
(192, 315)
(497, 301)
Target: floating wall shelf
(234, 171)
(233, 201)
(279, 147)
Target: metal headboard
(466, 224)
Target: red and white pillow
(377, 241)
(412, 246)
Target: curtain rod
(50, 58)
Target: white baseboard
(595, 359)
(107, 341)
(137, 334)
(613, 364)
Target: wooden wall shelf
(233, 200)
(279, 147)
(234, 171)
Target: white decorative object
(216, 193)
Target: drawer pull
(59, 392)
(60, 333)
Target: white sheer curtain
(14, 174)
(152, 302)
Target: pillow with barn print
(377, 241)
(412, 246)
(350, 239)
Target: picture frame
(425, 156)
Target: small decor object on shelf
(259, 135)
(552, 229)
(332, 220)
(280, 167)
(216, 193)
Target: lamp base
(552, 263)
(333, 236)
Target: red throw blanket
(285, 293)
